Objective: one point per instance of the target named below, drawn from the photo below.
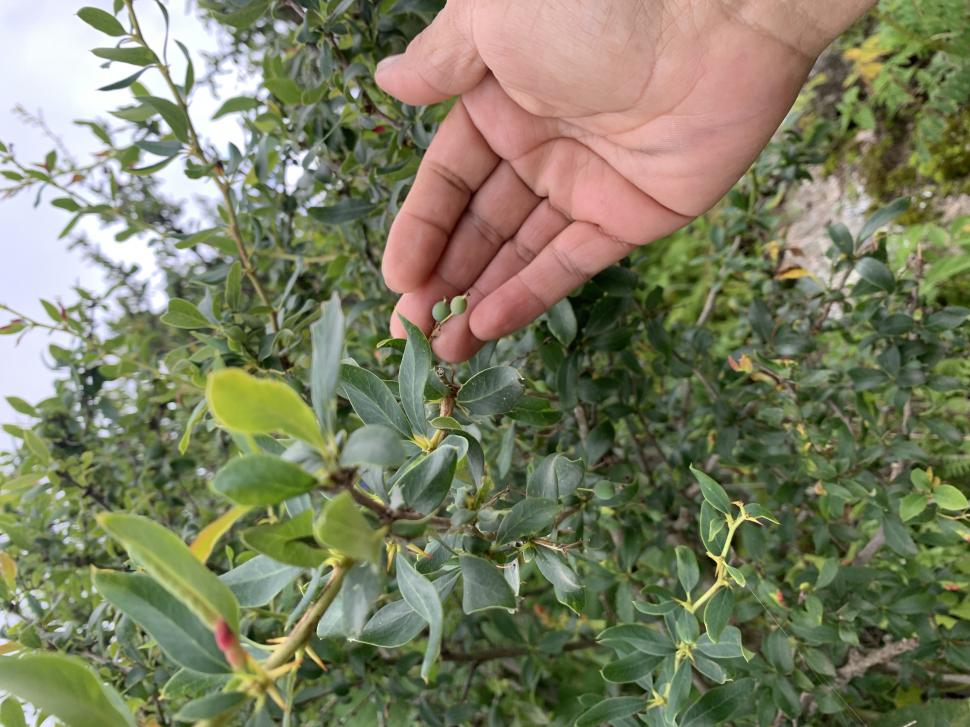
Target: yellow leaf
(793, 274)
(8, 570)
(207, 538)
(10, 647)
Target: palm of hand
(581, 133)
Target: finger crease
(450, 177)
(485, 229)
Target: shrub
(708, 487)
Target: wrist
(807, 26)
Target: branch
(307, 625)
(219, 175)
(509, 652)
(859, 664)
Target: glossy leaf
(371, 399)
(243, 403)
(179, 632)
(65, 687)
(261, 479)
(554, 568)
(483, 586)
(610, 710)
(531, 516)
(426, 480)
(259, 580)
(289, 541)
(343, 529)
(169, 561)
(415, 366)
(327, 335)
(492, 391)
(373, 444)
(422, 597)
(713, 493)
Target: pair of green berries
(445, 309)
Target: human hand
(582, 130)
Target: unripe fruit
(459, 304)
(440, 311)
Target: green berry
(459, 304)
(440, 311)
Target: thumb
(439, 63)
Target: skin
(581, 131)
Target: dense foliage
(709, 487)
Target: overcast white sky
(44, 51)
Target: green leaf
(346, 210)
(371, 399)
(160, 148)
(881, 218)
(124, 82)
(639, 637)
(245, 404)
(174, 116)
(170, 562)
(235, 105)
(948, 497)
(245, 15)
(718, 705)
(947, 319)
(11, 713)
(261, 479)
(777, 649)
(342, 528)
(562, 322)
(426, 481)
(842, 238)
(713, 493)
(483, 586)
(183, 314)
(610, 710)
(688, 572)
(876, 273)
(327, 335)
(898, 537)
(257, 581)
(37, 447)
(211, 705)
(630, 668)
(566, 586)
(396, 623)
(133, 55)
(290, 541)
(912, 505)
(373, 444)
(102, 20)
(421, 595)
(64, 687)
(415, 365)
(527, 517)
(555, 477)
(285, 89)
(717, 613)
(819, 662)
(20, 406)
(492, 391)
(178, 631)
(728, 646)
(827, 573)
